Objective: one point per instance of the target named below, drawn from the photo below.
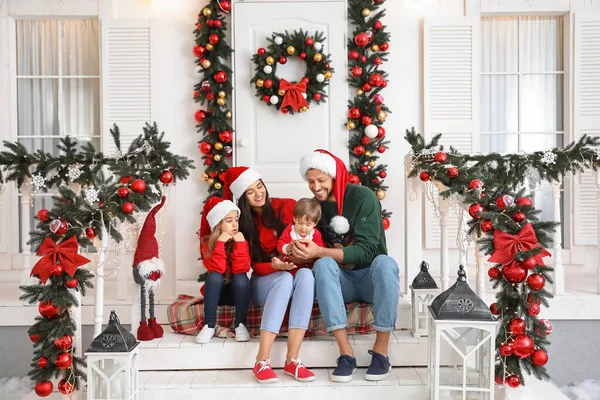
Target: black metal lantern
(113, 339)
(423, 280)
(459, 302)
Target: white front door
(267, 140)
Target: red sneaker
(296, 369)
(264, 373)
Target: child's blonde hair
(309, 208)
(211, 241)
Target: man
(355, 266)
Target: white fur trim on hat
(320, 161)
(340, 224)
(219, 212)
(246, 178)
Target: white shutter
(451, 96)
(127, 47)
(586, 120)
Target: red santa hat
(147, 247)
(215, 209)
(237, 180)
(326, 162)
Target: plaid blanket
(186, 315)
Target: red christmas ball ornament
(499, 380)
(364, 168)
(317, 96)
(43, 362)
(384, 84)
(353, 179)
(548, 324)
(64, 343)
(166, 177)
(65, 387)
(210, 23)
(378, 25)
(452, 172)
(205, 147)
(361, 39)
(475, 209)
(62, 228)
(353, 55)
(530, 300)
(536, 282)
(517, 326)
(63, 361)
(505, 201)
(524, 202)
(56, 270)
(354, 113)
(196, 93)
(366, 87)
(285, 110)
(380, 132)
(309, 41)
(34, 338)
(282, 60)
(376, 79)
(375, 181)
(386, 223)
(266, 99)
(199, 115)
(381, 149)
(506, 349)
(205, 86)
(214, 39)
(382, 174)
(127, 207)
(440, 157)
(123, 192)
(43, 215)
(486, 225)
(529, 263)
(217, 23)
(366, 120)
(539, 358)
(519, 216)
(377, 61)
(378, 99)
(44, 388)
(198, 26)
(513, 273)
(303, 56)
(534, 310)
(523, 346)
(210, 96)
(365, 140)
(475, 184)
(494, 272)
(71, 283)
(225, 136)
(220, 77)
(268, 84)
(384, 46)
(305, 80)
(494, 309)
(138, 186)
(260, 51)
(359, 150)
(225, 5)
(424, 176)
(47, 310)
(513, 381)
(199, 51)
(357, 71)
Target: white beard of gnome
(147, 271)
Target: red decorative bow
(293, 94)
(51, 253)
(507, 245)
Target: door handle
(243, 142)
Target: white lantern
(423, 291)
(278, 40)
(317, 46)
(113, 364)
(462, 329)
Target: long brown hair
(208, 243)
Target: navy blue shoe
(380, 367)
(346, 367)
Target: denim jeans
(274, 291)
(378, 285)
(217, 293)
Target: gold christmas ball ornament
(204, 176)
(228, 115)
(371, 164)
(221, 101)
(218, 186)
(351, 125)
(327, 75)
(374, 48)
(260, 82)
(270, 60)
(368, 153)
(281, 92)
(359, 92)
(318, 57)
(303, 109)
(206, 64)
(365, 12)
(381, 115)
(380, 194)
(290, 50)
(209, 47)
(210, 181)
(207, 12)
(222, 94)
(217, 157)
(218, 146)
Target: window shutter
(127, 47)
(451, 96)
(586, 120)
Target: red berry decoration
(225, 136)
(64, 343)
(63, 361)
(199, 115)
(366, 120)
(494, 272)
(303, 56)
(214, 39)
(123, 192)
(43, 215)
(359, 150)
(206, 147)
(517, 326)
(536, 282)
(65, 387)
(357, 71)
(513, 381)
(34, 338)
(381, 149)
(56, 270)
(365, 140)
(127, 207)
(513, 273)
(519, 216)
(199, 51)
(494, 309)
(220, 77)
(424, 176)
(486, 225)
(382, 174)
(539, 358)
(440, 157)
(43, 362)
(506, 349)
(47, 310)
(524, 202)
(529, 263)
(452, 172)
(282, 60)
(384, 46)
(260, 51)
(378, 25)
(71, 283)
(354, 113)
(548, 325)
(354, 179)
(523, 346)
(44, 388)
(361, 39)
(475, 184)
(376, 79)
(166, 177)
(317, 96)
(534, 310)
(380, 132)
(309, 41)
(475, 209)
(353, 55)
(505, 201)
(138, 186)
(386, 223)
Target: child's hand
(224, 237)
(280, 265)
(239, 237)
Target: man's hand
(279, 265)
(224, 237)
(239, 237)
(304, 251)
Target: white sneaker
(241, 334)
(205, 335)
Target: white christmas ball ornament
(317, 46)
(278, 40)
(267, 69)
(320, 78)
(274, 99)
(371, 131)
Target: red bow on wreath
(507, 245)
(66, 253)
(293, 94)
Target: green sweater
(366, 238)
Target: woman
(262, 220)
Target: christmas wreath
(290, 97)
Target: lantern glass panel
(110, 379)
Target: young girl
(226, 256)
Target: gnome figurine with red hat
(147, 271)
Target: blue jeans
(217, 293)
(378, 285)
(274, 291)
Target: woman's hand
(224, 237)
(304, 251)
(239, 237)
(279, 265)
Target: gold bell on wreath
(209, 47)
(270, 60)
(380, 194)
(327, 75)
(207, 12)
(221, 101)
(218, 186)
(318, 57)
(290, 50)
(217, 157)
(281, 92)
(218, 146)
(303, 109)
(260, 82)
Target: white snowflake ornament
(38, 182)
(90, 194)
(549, 157)
(74, 171)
